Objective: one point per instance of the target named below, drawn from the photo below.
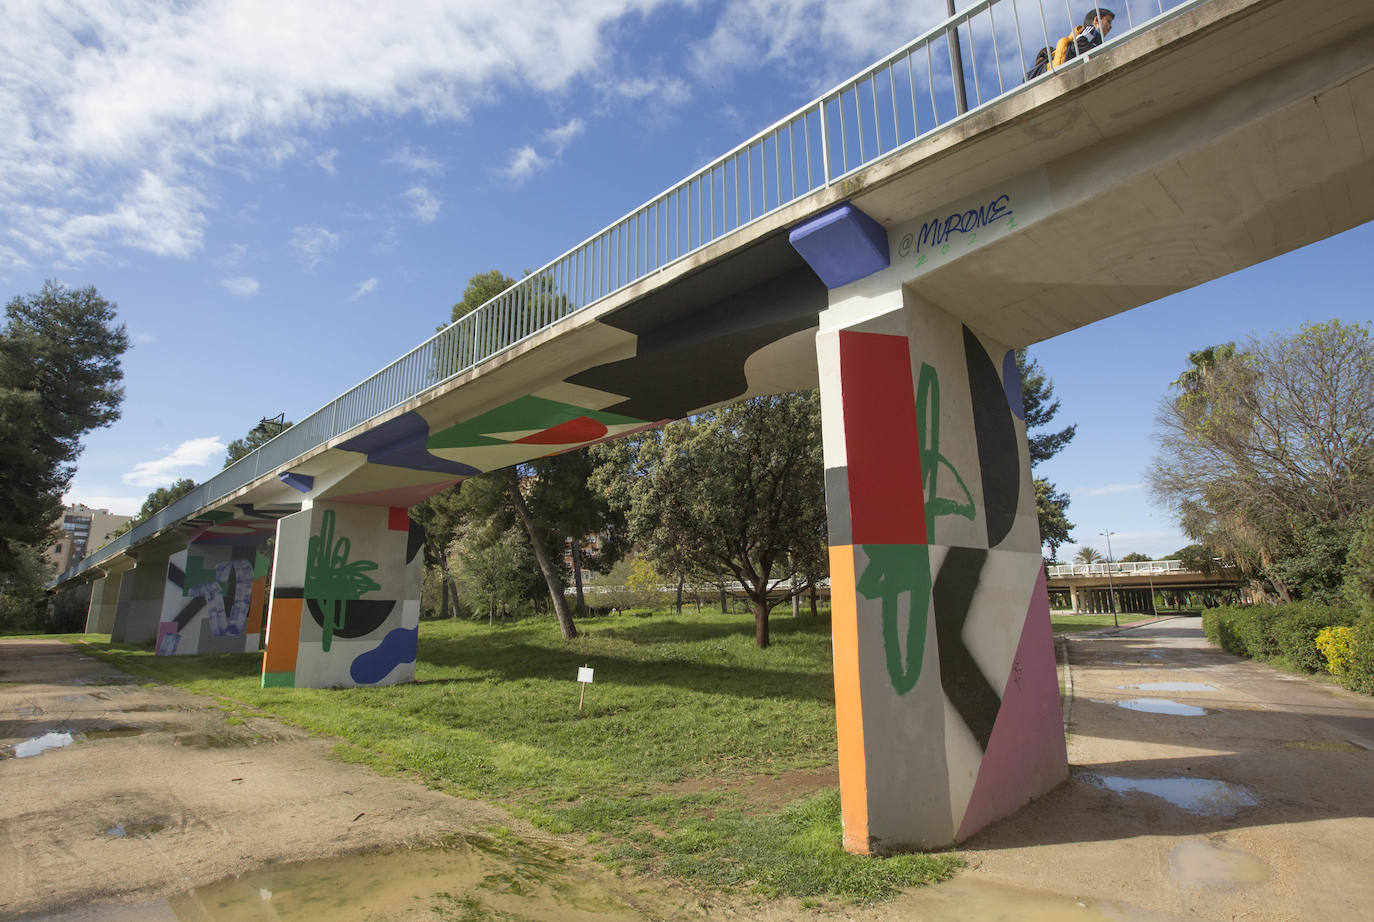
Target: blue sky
(283, 197)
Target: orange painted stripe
(844, 628)
(283, 636)
(255, 605)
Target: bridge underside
(1231, 133)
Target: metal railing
(883, 109)
(1131, 568)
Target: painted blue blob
(303, 482)
(1011, 380)
(841, 246)
(397, 647)
(403, 442)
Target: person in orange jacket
(1096, 24)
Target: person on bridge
(1096, 24)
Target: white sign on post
(584, 676)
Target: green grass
(1063, 623)
(493, 715)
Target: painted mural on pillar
(214, 599)
(933, 516)
(345, 598)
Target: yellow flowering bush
(1336, 644)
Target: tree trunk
(443, 595)
(724, 605)
(761, 620)
(577, 574)
(681, 580)
(812, 592)
(452, 590)
(541, 554)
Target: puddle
(968, 899)
(1196, 795)
(219, 740)
(42, 744)
(471, 878)
(1199, 865)
(1171, 686)
(113, 733)
(1160, 706)
(134, 830)
(1322, 746)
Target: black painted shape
(252, 512)
(964, 683)
(361, 616)
(288, 592)
(191, 609)
(999, 459)
(415, 540)
(176, 576)
(248, 552)
(697, 359)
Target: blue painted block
(303, 482)
(842, 246)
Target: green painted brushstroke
(278, 680)
(331, 579)
(523, 413)
(897, 569)
(928, 436)
(197, 574)
(892, 571)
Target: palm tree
(1088, 555)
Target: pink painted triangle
(1026, 755)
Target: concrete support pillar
(100, 616)
(213, 599)
(345, 599)
(1073, 599)
(947, 699)
(139, 608)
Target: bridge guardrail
(1129, 568)
(882, 109)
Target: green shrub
(1219, 624)
(1257, 630)
(1359, 565)
(1359, 673)
(1295, 629)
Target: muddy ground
(1251, 798)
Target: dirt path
(1270, 815)
(162, 792)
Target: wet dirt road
(1203, 787)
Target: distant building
(83, 529)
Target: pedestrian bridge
(892, 241)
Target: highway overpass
(878, 242)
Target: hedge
(1289, 634)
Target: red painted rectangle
(398, 518)
(886, 503)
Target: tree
(258, 436)
(1041, 407)
(568, 510)
(59, 379)
(21, 589)
(480, 289)
(1266, 451)
(1134, 557)
(739, 489)
(1087, 555)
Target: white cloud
(325, 161)
(115, 503)
(423, 203)
(314, 243)
(174, 465)
(243, 285)
(414, 161)
(559, 138)
(1110, 489)
(364, 288)
(124, 110)
(233, 256)
(144, 339)
(524, 163)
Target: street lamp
(1111, 588)
(267, 424)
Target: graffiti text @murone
(943, 232)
